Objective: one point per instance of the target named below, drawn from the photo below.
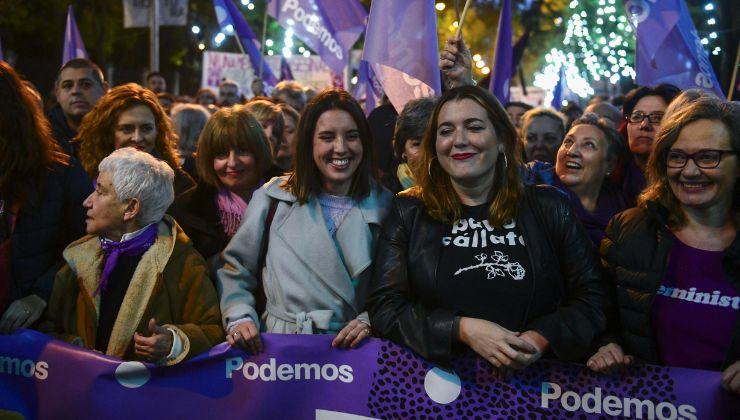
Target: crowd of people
(149, 229)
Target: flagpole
(154, 36)
(462, 18)
(262, 44)
(734, 73)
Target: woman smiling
(584, 160)
(470, 257)
(673, 261)
(232, 160)
(311, 236)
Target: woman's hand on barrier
(22, 313)
(156, 345)
(501, 347)
(245, 335)
(352, 334)
(609, 359)
(538, 341)
(731, 378)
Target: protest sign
(171, 13)
(217, 66)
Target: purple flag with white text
(73, 45)
(504, 56)
(401, 47)
(328, 27)
(229, 17)
(669, 49)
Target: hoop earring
(506, 162)
(429, 169)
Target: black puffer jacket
(565, 304)
(635, 258)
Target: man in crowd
(155, 82)
(229, 93)
(78, 87)
(290, 92)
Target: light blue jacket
(311, 281)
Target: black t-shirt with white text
(483, 271)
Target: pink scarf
(231, 208)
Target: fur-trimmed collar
(85, 258)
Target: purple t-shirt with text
(695, 309)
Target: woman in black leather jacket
(469, 256)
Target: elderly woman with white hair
(134, 287)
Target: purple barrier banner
(301, 377)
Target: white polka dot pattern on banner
(132, 374)
(442, 386)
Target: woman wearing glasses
(674, 261)
(642, 111)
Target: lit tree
(597, 49)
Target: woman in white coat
(309, 237)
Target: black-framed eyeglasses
(638, 117)
(704, 158)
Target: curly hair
(434, 186)
(97, 131)
(27, 148)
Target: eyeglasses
(638, 117)
(704, 158)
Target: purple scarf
(231, 208)
(112, 250)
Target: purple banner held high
(328, 27)
(73, 45)
(503, 57)
(669, 49)
(401, 48)
(302, 377)
(229, 17)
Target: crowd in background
(151, 227)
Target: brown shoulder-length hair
(97, 131)
(305, 180)
(434, 186)
(231, 128)
(27, 148)
(658, 189)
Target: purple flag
(229, 17)
(669, 49)
(368, 87)
(73, 45)
(328, 27)
(401, 48)
(285, 72)
(557, 94)
(503, 57)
